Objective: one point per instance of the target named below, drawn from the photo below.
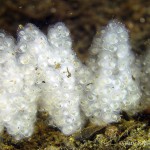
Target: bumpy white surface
(61, 93)
(43, 73)
(17, 96)
(39, 72)
(115, 86)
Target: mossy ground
(130, 133)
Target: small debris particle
(111, 131)
(69, 74)
(57, 66)
(20, 27)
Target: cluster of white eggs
(115, 86)
(43, 73)
(39, 73)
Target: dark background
(82, 17)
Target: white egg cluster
(39, 72)
(18, 94)
(43, 73)
(60, 92)
(115, 85)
